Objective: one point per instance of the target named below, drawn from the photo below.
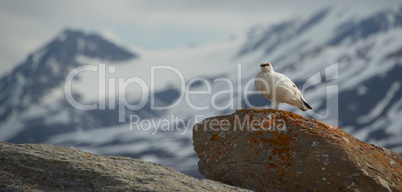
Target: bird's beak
(262, 65)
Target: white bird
(278, 88)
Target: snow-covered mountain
(348, 61)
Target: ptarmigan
(278, 88)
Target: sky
(156, 24)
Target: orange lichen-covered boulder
(274, 150)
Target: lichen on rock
(275, 150)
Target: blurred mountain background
(347, 57)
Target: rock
(275, 150)
(30, 167)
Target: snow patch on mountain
(321, 53)
(380, 106)
(10, 127)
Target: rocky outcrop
(50, 168)
(274, 150)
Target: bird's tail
(306, 106)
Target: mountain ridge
(33, 108)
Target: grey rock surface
(32, 167)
